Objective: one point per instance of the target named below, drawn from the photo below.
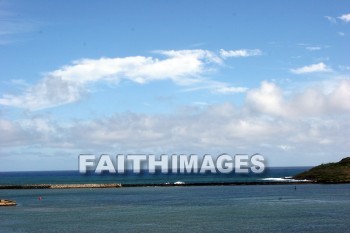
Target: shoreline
(115, 185)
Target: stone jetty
(75, 186)
(59, 186)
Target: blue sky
(173, 77)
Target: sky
(173, 77)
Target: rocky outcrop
(7, 203)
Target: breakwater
(59, 186)
(75, 186)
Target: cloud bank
(268, 119)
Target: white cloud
(341, 33)
(269, 99)
(69, 83)
(49, 92)
(345, 18)
(31, 130)
(179, 66)
(240, 53)
(319, 67)
(340, 96)
(201, 54)
(270, 121)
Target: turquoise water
(255, 208)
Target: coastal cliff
(328, 173)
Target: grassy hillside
(328, 173)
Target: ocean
(74, 177)
(242, 208)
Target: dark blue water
(255, 208)
(69, 177)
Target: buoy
(40, 198)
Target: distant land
(328, 173)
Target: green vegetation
(328, 173)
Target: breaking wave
(285, 179)
(179, 182)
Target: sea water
(73, 177)
(242, 208)
(255, 208)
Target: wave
(179, 182)
(285, 179)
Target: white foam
(179, 182)
(285, 179)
